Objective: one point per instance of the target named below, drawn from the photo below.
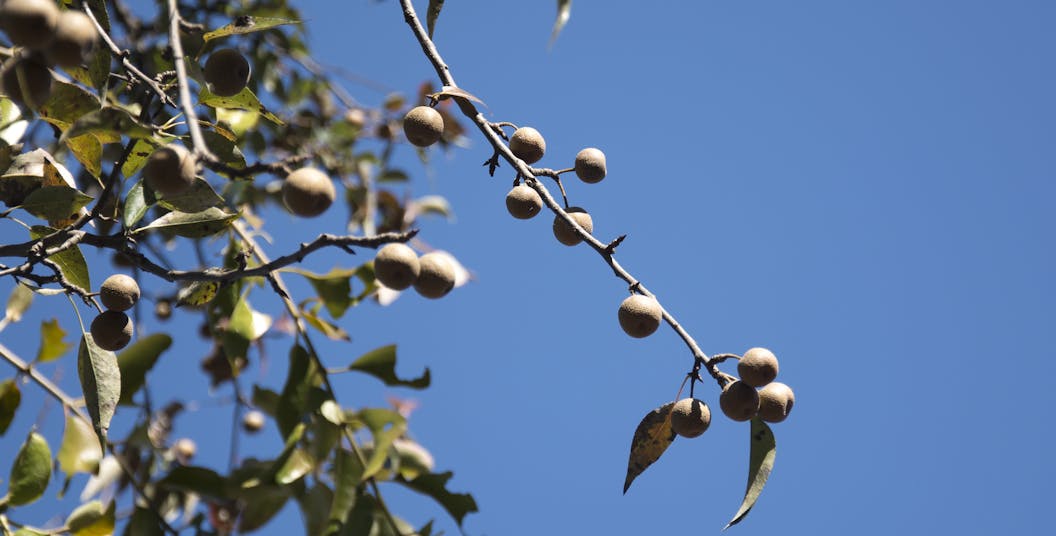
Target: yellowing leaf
(55, 204)
(246, 24)
(17, 303)
(80, 451)
(52, 345)
(243, 100)
(92, 519)
(651, 439)
(760, 463)
(71, 262)
(197, 293)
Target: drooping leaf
(97, 71)
(55, 203)
(137, 202)
(71, 261)
(144, 522)
(332, 331)
(80, 451)
(457, 93)
(225, 149)
(432, 13)
(334, 288)
(137, 157)
(108, 124)
(760, 463)
(271, 475)
(197, 293)
(198, 480)
(200, 196)
(297, 465)
(381, 363)
(262, 503)
(10, 398)
(52, 345)
(294, 399)
(100, 382)
(385, 425)
(17, 303)
(30, 471)
(434, 485)
(239, 332)
(564, 11)
(67, 103)
(192, 225)
(348, 474)
(265, 400)
(243, 100)
(315, 504)
(88, 150)
(246, 24)
(92, 519)
(136, 360)
(651, 439)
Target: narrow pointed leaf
(293, 401)
(246, 24)
(651, 439)
(262, 503)
(137, 202)
(433, 13)
(80, 451)
(192, 225)
(315, 505)
(71, 261)
(381, 363)
(92, 519)
(348, 474)
(200, 196)
(332, 332)
(239, 332)
(10, 398)
(243, 100)
(101, 383)
(136, 360)
(197, 293)
(30, 471)
(564, 11)
(760, 463)
(434, 485)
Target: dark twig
(123, 56)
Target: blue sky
(865, 188)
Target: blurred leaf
(432, 14)
(651, 439)
(760, 463)
(17, 303)
(225, 149)
(456, 93)
(137, 157)
(100, 382)
(297, 465)
(80, 451)
(293, 401)
(331, 331)
(192, 225)
(136, 205)
(243, 100)
(98, 68)
(88, 150)
(348, 474)
(262, 503)
(200, 196)
(413, 459)
(335, 288)
(361, 519)
(266, 400)
(381, 363)
(144, 522)
(92, 519)
(52, 345)
(315, 504)
(393, 175)
(564, 11)
(136, 360)
(30, 471)
(430, 204)
(239, 332)
(55, 203)
(107, 124)
(196, 480)
(71, 261)
(12, 125)
(197, 293)
(10, 398)
(385, 425)
(67, 103)
(434, 485)
(247, 24)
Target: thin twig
(123, 55)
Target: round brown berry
(396, 266)
(75, 37)
(26, 80)
(423, 126)
(775, 402)
(523, 202)
(29, 23)
(308, 192)
(227, 72)
(757, 367)
(565, 233)
(170, 170)
(590, 165)
(111, 330)
(739, 401)
(119, 292)
(437, 276)
(690, 417)
(640, 315)
(528, 145)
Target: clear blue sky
(866, 188)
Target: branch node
(611, 247)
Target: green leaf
(381, 363)
(262, 503)
(136, 205)
(246, 24)
(98, 69)
(385, 425)
(200, 196)
(80, 451)
(67, 103)
(92, 519)
(144, 522)
(136, 360)
(71, 261)
(55, 203)
(30, 472)
(413, 459)
(432, 13)
(243, 100)
(100, 382)
(293, 401)
(88, 150)
(348, 475)
(651, 439)
(17, 303)
(564, 11)
(266, 400)
(225, 149)
(315, 504)
(239, 332)
(332, 332)
(10, 398)
(335, 288)
(137, 157)
(197, 294)
(196, 480)
(760, 463)
(435, 485)
(192, 225)
(297, 465)
(12, 124)
(52, 345)
(109, 123)
(393, 175)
